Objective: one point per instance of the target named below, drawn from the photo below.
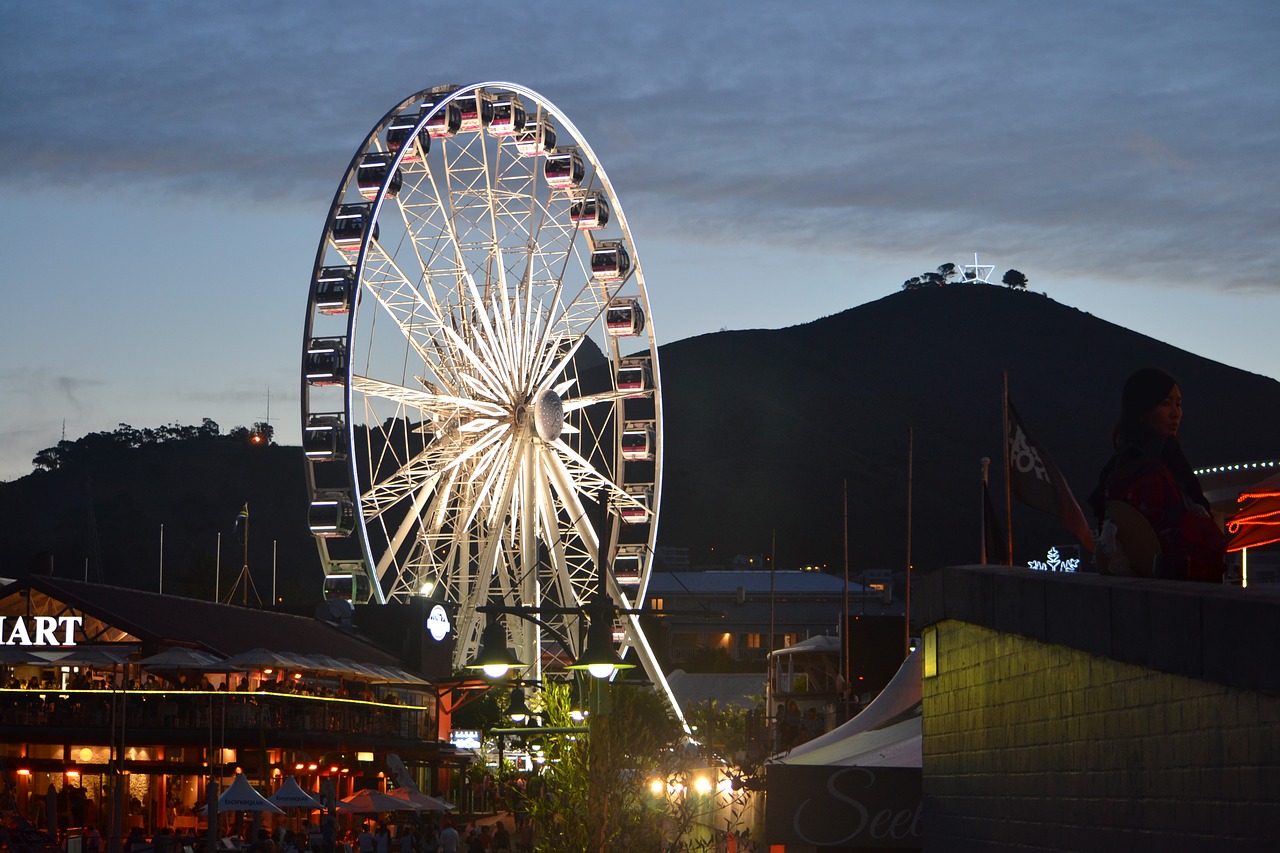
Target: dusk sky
(166, 170)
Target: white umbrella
(292, 796)
(243, 797)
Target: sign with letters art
(834, 806)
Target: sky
(166, 170)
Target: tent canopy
(291, 796)
(886, 734)
(243, 797)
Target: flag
(242, 524)
(994, 550)
(1036, 482)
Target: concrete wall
(1076, 712)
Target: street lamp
(517, 708)
(494, 657)
(598, 656)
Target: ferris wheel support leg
(653, 670)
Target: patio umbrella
(425, 801)
(98, 656)
(369, 801)
(181, 657)
(243, 797)
(16, 655)
(292, 796)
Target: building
(168, 696)
(691, 613)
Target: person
(365, 842)
(449, 838)
(501, 842)
(382, 839)
(1149, 473)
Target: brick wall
(1088, 713)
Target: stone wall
(1070, 712)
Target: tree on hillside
(1015, 280)
(98, 446)
(949, 272)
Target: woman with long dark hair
(1149, 477)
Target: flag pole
(1008, 483)
(982, 509)
(907, 615)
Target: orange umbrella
(425, 801)
(1258, 521)
(369, 801)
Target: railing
(195, 711)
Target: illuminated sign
(465, 738)
(42, 632)
(1054, 563)
(438, 623)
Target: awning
(858, 785)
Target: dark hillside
(101, 518)
(762, 427)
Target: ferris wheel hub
(548, 416)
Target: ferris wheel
(480, 375)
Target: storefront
(132, 704)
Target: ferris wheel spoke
(484, 311)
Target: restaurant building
(167, 696)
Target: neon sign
(44, 630)
(1055, 563)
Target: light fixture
(598, 657)
(517, 709)
(494, 657)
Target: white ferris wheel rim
(365, 511)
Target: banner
(1036, 482)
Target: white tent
(243, 797)
(886, 734)
(825, 788)
(291, 796)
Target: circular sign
(438, 623)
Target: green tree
(626, 784)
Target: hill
(763, 429)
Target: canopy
(825, 789)
(1256, 523)
(291, 796)
(886, 734)
(181, 657)
(243, 797)
(369, 801)
(97, 655)
(423, 801)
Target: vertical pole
(217, 569)
(244, 571)
(907, 616)
(1008, 475)
(273, 572)
(845, 651)
(162, 559)
(982, 510)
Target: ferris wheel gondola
(480, 373)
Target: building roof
(741, 689)
(160, 620)
(751, 582)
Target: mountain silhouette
(764, 430)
